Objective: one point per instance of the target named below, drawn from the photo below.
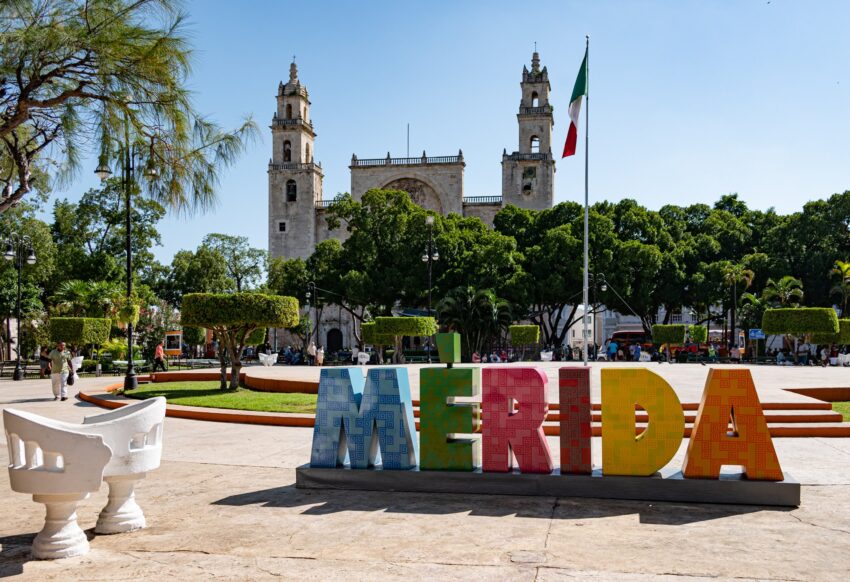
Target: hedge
(371, 335)
(406, 326)
(80, 331)
(673, 334)
(699, 333)
(218, 310)
(842, 337)
(524, 335)
(800, 321)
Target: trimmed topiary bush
(234, 317)
(800, 321)
(371, 335)
(842, 337)
(672, 334)
(398, 327)
(524, 335)
(80, 331)
(698, 333)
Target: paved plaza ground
(223, 506)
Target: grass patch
(843, 408)
(208, 395)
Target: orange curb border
(209, 414)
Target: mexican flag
(579, 91)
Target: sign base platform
(663, 486)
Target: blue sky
(689, 100)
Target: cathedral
(297, 208)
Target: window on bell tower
(291, 191)
(535, 100)
(289, 110)
(307, 157)
(287, 151)
(535, 144)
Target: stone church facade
(297, 206)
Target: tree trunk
(235, 368)
(223, 362)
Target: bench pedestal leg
(121, 514)
(61, 536)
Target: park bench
(60, 463)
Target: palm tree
(477, 314)
(842, 269)
(787, 292)
(87, 298)
(732, 275)
(71, 297)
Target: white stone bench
(118, 447)
(268, 359)
(59, 468)
(134, 433)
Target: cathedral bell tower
(295, 180)
(528, 175)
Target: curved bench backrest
(134, 433)
(45, 457)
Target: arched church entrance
(421, 193)
(334, 343)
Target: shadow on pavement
(28, 400)
(322, 502)
(14, 553)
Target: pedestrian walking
(60, 364)
(159, 358)
(44, 363)
(311, 354)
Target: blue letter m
(352, 422)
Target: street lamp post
(129, 155)
(311, 292)
(429, 256)
(15, 251)
(595, 281)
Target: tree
(244, 265)
(202, 271)
(88, 298)
(74, 72)
(477, 314)
(786, 292)
(752, 310)
(733, 274)
(91, 236)
(234, 317)
(842, 288)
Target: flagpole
(586, 211)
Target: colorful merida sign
(369, 423)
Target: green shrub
(79, 331)
(800, 321)
(406, 326)
(842, 337)
(524, 335)
(237, 318)
(220, 310)
(89, 365)
(117, 348)
(673, 334)
(699, 333)
(371, 335)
